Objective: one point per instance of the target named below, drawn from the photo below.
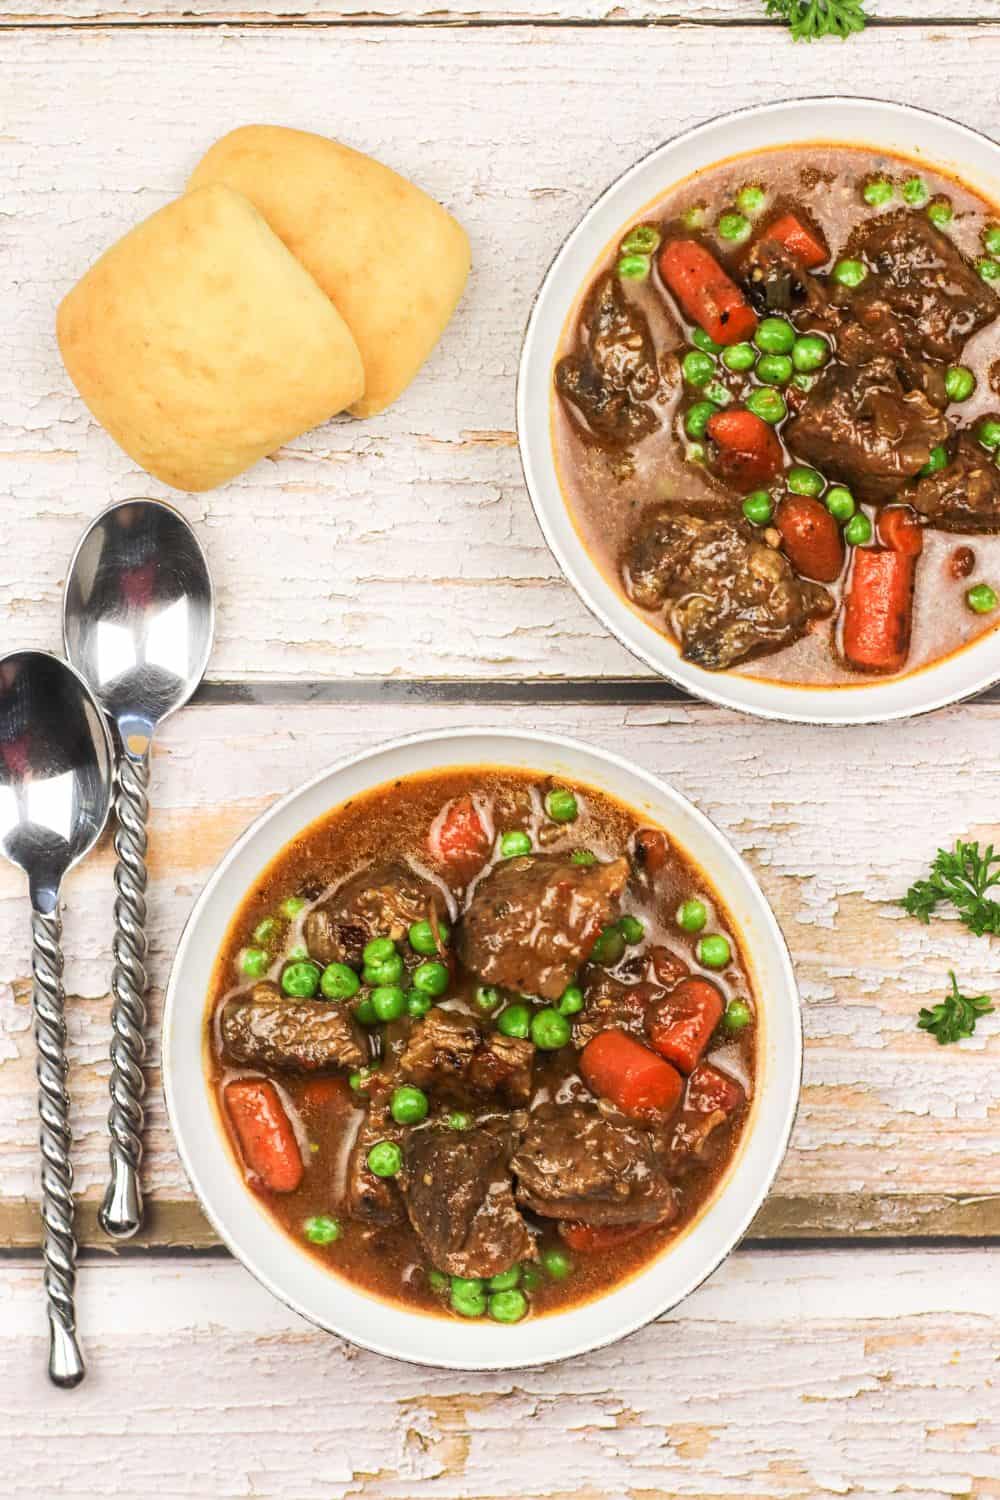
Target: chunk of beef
(533, 920)
(614, 377)
(964, 496)
(374, 1200)
(728, 596)
(448, 1054)
(608, 1001)
(859, 426)
(574, 1162)
(267, 1030)
(711, 1100)
(778, 282)
(457, 1189)
(382, 901)
(920, 277)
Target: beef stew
(482, 1042)
(790, 365)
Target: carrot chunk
(618, 1068)
(899, 529)
(749, 451)
(266, 1138)
(878, 609)
(587, 1239)
(457, 835)
(811, 537)
(681, 1026)
(801, 241)
(707, 295)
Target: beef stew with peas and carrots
(777, 405)
(483, 1042)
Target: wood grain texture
(405, 545)
(895, 1134)
(789, 1377)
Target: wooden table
(388, 576)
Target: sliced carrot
(587, 1239)
(264, 1131)
(710, 1089)
(811, 537)
(801, 241)
(681, 1026)
(707, 295)
(748, 449)
(900, 529)
(618, 1068)
(878, 609)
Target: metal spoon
(56, 774)
(138, 622)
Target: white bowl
(332, 1302)
(897, 128)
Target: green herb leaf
(956, 1016)
(962, 876)
(809, 20)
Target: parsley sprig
(963, 876)
(809, 20)
(956, 1015)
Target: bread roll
(201, 344)
(392, 261)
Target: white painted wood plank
(785, 1376)
(405, 545)
(835, 826)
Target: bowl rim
(722, 688)
(788, 1105)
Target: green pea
(981, 599)
(692, 915)
(459, 1120)
(422, 939)
(694, 453)
(384, 970)
(701, 339)
(751, 199)
(714, 951)
(810, 352)
(549, 1030)
(991, 239)
(417, 1005)
(858, 531)
(431, 978)
(840, 503)
(385, 1159)
(959, 383)
(504, 1281)
(988, 269)
(531, 1278)
(388, 1001)
(804, 382)
(254, 962)
(514, 843)
(515, 1020)
(940, 212)
(774, 336)
(774, 369)
(768, 404)
(734, 227)
(850, 273)
(321, 1229)
(487, 997)
(361, 1078)
(739, 358)
(758, 507)
(570, 1002)
(583, 857)
(939, 459)
(408, 1105)
(693, 217)
(468, 1296)
(338, 982)
(737, 1015)
(642, 240)
(508, 1307)
(987, 434)
(561, 805)
(556, 1263)
(300, 980)
(634, 267)
(300, 951)
(803, 481)
(609, 948)
(437, 1280)
(717, 393)
(365, 1012)
(632, 930)
(914, 192)
(291, 906)
(265, 932)
(697, 368)
(878, 191)
(698, 417)
(377, 949)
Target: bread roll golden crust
(201, 344)
(391, 259)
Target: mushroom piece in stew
(483, 1042)
(778, 401)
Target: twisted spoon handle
(65, 1360)
(121, 1211)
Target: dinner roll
(393, 261)
(201, 344)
